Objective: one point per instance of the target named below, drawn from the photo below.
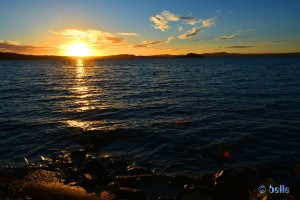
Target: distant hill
(15, 56)
(190, 55)
(236, 55)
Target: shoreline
(80, 175)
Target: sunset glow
(101, 28)
(78, 50)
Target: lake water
(184, 116)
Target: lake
(186, 116)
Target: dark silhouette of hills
(15, 56)
(190, 55)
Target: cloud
(180, 28)
(247, 30)
(191, 33)
(115, 40)
(170, 16)
(225, 37)
(147, 43)
(92, 36)
(267, 43)
(209, 22)
(161, 21)
(128, 34)
(239, 47)
(169, 39)
(16, 47)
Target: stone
(94, 167)
(78, 156)
(130, 193)
(137, 170)
(229, 186)
(48, 185)
(195, 196)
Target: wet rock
(130, 193)
(158, 189)
(87, 180)
(136, 170)
(205, 180)
(106, 195)
(195, 196)
(78, 156)
(94, 167)
(230, 186)
(113, 185)
(297, 170)
(48, 185)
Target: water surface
(173, 115)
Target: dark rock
(78, 156)
(137, 170)
(195, 196)
(230, 186)
(94, 167)
(107, 195)
(158, 189)
(205, 180)
(129, 193)
(113, 186)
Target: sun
(78, 50)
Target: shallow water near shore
(185, 116)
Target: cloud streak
(16, 47)
(226, 37)
(239, 47)
(128, 34)
(147, 44)
(93, 36)
(189, 34)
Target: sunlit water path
(172, 115)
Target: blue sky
(150, 27)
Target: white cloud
(209, 22)
(191, 33)
(161, 21)
(170, 16)
(180, 28)
(128, 34)
(225, 37)
(169, 39)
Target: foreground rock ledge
(47, 185)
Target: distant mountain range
(15, 56)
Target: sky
(110, 27)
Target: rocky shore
(82, 175)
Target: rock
(113, 186)
(195, 196)
(78, 156)
(130, 193)
(137, 170)
(106, 195)
(94, 167)
(47, 185)
(297, 170)
(229, 186)
(158, 189)
(205, 180)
